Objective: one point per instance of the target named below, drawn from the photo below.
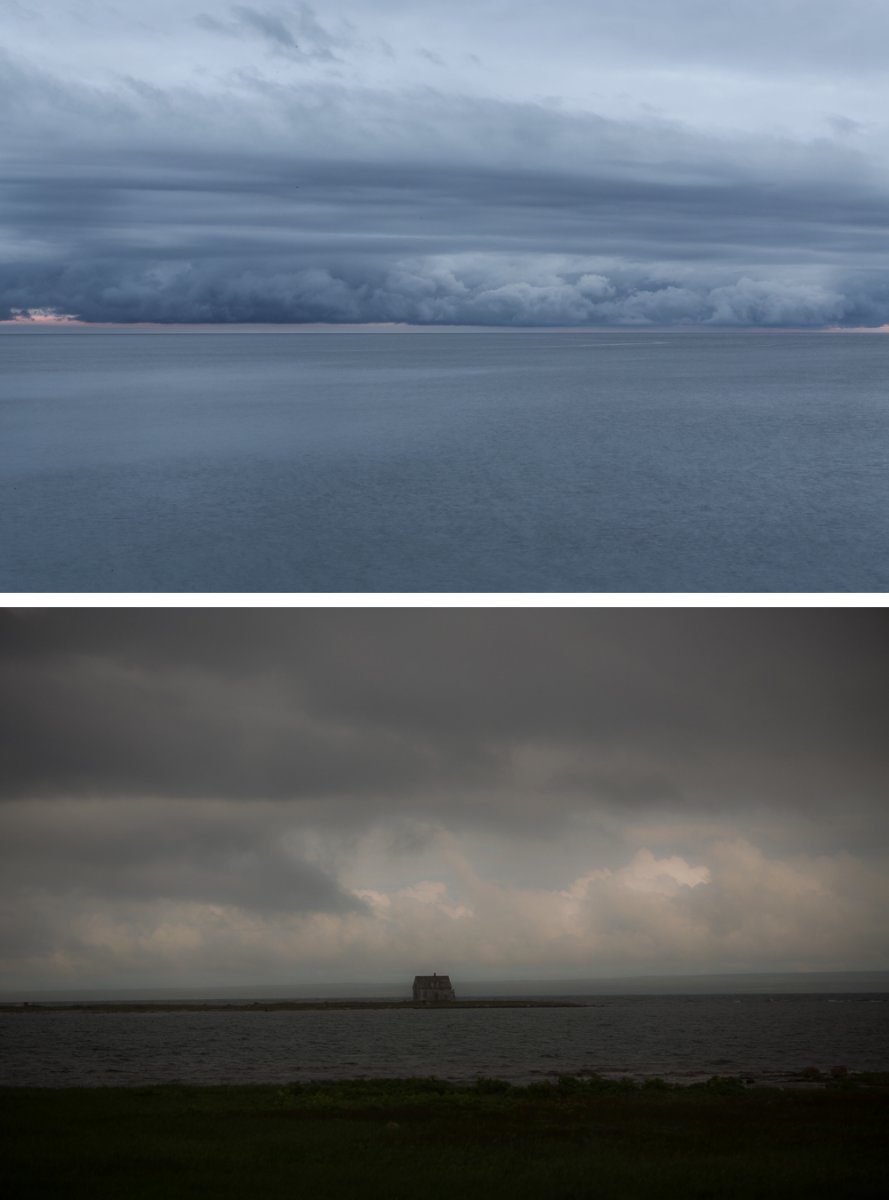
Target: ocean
(443, 462)
(769, 1039)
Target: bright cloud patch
(736, 910)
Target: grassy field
(431, 1140)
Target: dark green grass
(409, 1138)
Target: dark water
(678, 1037)
(443, 462)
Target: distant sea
(443, 461)
(765, 1038)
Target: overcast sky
(476, 161)
(232, 798)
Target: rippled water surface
(682, 1038)
(443, 462)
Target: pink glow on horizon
(41, 316)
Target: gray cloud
(210, 854)
(754, 36)
(227, 192)
(294, 794)
(387, 712)
(465, 291)
(294, 31)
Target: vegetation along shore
(568, 1138)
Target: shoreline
(549, 1084)
(115, 1006)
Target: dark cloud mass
(158, 851)
(388, 710)
(602, 164)
(233, 794)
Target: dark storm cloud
(209, 855)
(250, 795)
(377, 713)
(228, 192)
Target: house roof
(432, 981)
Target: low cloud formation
(470, 290)
(299, 795)
(276, 163)
(213, 855)
(728, 908)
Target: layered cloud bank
(234, 797)
(486, 165)
(459, 290)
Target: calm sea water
(443, 462)
(676, 1037)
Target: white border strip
(443, 600)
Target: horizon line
(71, 323)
